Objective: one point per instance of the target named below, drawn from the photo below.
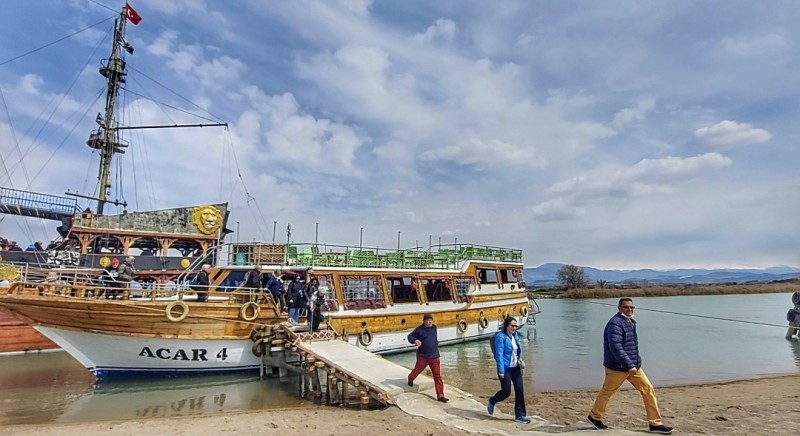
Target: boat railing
(441, 256)
(92, 287)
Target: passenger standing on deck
(507, 352)
(125, 272)
(252, 280)
(622, 362)
(275, 286)
(297, 298)
(201, 284)
(316, 301)
(426, 339)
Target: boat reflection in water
(52, 387)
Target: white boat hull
(120, 356)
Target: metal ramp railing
(37, 205)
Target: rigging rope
(57, 41)
(34, 144)
(250, 197)
(638, 308)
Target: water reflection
(53, 387)
(795, 345)
(189, 396)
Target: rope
(56, 41)
(696, 316)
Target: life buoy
(244, 311)
(181, 316)
(462, 326)
(259, 348)
(483, 322)
(365, 337)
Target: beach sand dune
(766, 406)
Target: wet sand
(747, 407)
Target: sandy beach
(746, 407)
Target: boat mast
(114, 71)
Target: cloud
(638, 112)
(443, 30)
(730, 132)
(770, 44)
(647, 177)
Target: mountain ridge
(547, 275)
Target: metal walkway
(37, 205)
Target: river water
(563, 350)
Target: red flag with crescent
(132, 15)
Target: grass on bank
(669, 290)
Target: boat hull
(108, 355)
(17, 337)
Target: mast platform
(37, 205)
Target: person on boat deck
(12, 246)
(426, 338)
(252, 280)
(297, 298)
(621, 361)
(125, 272)
(275, 286)
(793, 316)
(201, 284)
(316, 301)
(507, 356)
(3, 244)
(36, 246)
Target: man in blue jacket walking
(426, 339)
(622, 362)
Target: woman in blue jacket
(509, 370)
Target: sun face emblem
(206, 219)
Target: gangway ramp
(386, 382)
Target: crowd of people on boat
(38, 246)
(293, 296)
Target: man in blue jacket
(426, 339)
(622, 362)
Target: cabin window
(509, 275)
(362, 292)
(487, 275)
(231, 281)
(403, 289)
(463, 286)
(326, 286)
(437, 289)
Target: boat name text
(197, 354)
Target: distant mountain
(547, 275)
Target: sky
(614, 134)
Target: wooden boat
(373, 299)
(165, 242)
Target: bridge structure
(36, 204)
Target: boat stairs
(331, 368)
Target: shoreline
(758, 405)
(613, 291)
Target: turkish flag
(132, 15)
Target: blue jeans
(294, 313)
(512, 375)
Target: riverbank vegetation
(666, 290)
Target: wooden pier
(331, 368)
